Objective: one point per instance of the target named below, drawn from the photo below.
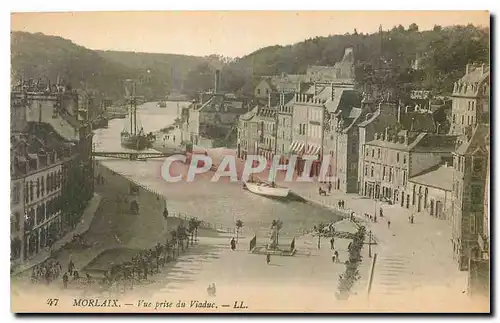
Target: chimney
(386, 135)
(269, 100)
(217, 81)
(406, 137)
(482, 68)
(467, 68)
(201, 98)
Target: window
(367, 152)
(372, 171)
(366, 170)
(454, 118)
(473, 104)
(397, 157)
(42, 185)
(404, 159)
(463, 119)
(383, 173)
(469, 104)
(478, 165)
(16, 194)
(472, 120)
(31, 190)
(258, 91)
(38, 188)
(26, 193)
(378, 153)
(468, 120)
(373, 152)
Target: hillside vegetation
(383, 59)
(383, 62)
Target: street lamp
(370, 244)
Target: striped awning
(312, 150)
(296, 147)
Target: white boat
(267, 189)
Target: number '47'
(52, 301)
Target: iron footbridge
(139, 156)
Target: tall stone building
(247, 142)
(395, 156)
(284, 126)
(470, 167)
(51, 166)
(377, 118)
(471, 100)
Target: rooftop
(440, 176)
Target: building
(215, 116)
(376, 120)
(51, 163)
(16, 217)
(431, 191)
(285, 125)
(286, 83)
(341, 72)
(471, 99)
(469, 181)
(248, 139)
(479, 264)
(395, 156)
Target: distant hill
(38, 55)
(384, 62)
(158, 72)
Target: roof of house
(440, 176)
(478, 140)
(250, 114)
(418, 142)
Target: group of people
(341, 204)
(323, 192)
(46, 272)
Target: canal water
(220, 202)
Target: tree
(194, 223)
(239, 225)
(277, 225)
(319, 231)
(175, 241)
(413, 27)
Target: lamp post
(370, 244)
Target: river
(219, 202)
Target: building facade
(469, 177)
(431, 192)
(284, 133)
(51, 160)
(395, 156)
(376, 120)
(471, 99)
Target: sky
(232, 34)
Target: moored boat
(266, 189)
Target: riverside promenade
(414, 260)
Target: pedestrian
(329, 187)
(352, 216)
(233, 244)
(332, 243)
(412, 218)
(333, 258)
(375, 218)
(71, 266)
(336, 253)
(268, 258)
(388, 224)
(65, 280)
(381, 213)
(339, 203)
